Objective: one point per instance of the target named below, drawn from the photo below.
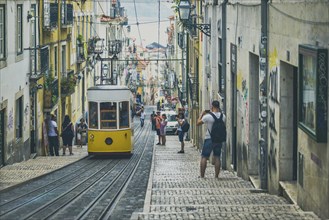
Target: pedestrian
(208, 146)
(180, 119)
(142, 116)
(67, 134)
(157, 126)
(81, 132)
(153, 120)
(53, 136)
(163, 126)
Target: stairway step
(226, 215)
(252, 199)
(224, 208)
(195, 183)
(203, 191)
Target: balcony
(95, 45)
(50, 98)
(81, 50)
(68, 83)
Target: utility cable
(137, 23)
(299, 19)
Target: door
(234, 116)
(2, 137)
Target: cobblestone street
(176, 192)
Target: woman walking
(67, 134)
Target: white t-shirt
(209, 121)
(142, 115)
(180, 127)
(51, 129)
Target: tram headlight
(108, 141)
(91, 137)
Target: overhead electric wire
(137, 23)
(299, 19)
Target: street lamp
(184, 12)
(105, 71)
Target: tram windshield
(108, 115)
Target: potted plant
(68, 85)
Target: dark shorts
(181, 136)
(208, 146)
(158, 131)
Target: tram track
(89, 192)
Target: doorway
(288, 122)
(2, 137)
(253, 110)
(234, 116)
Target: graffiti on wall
(274, 78)
(272, 120)
(272, 156)
(10, 124)
(274, 84)
(244, 107)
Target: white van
(172, 124)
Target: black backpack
(185, 126)
(218, 130)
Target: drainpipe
(224, 40)
(263, 93)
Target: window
(83, 27)
(2, 32)
(313, 62)
(19, 118)
(221, 84)
(220, 51)
(124, 114)
(93, 115)
(108, 115)
(55, 62)
(63, 59)
(87, 26)
(91, 23)
(19, 35)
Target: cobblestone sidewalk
(17, 173)
(176, 192)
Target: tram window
(108, 113)
(124, 114)
(93, 115)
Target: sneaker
(71, 154)
(180, 152)
(158, 144)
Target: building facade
(16, 39)
(267, 62)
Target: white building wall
(14, 83)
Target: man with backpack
(215, 136)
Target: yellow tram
(109, 118)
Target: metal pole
(224, 73)
(263, 142)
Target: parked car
(172, 124)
